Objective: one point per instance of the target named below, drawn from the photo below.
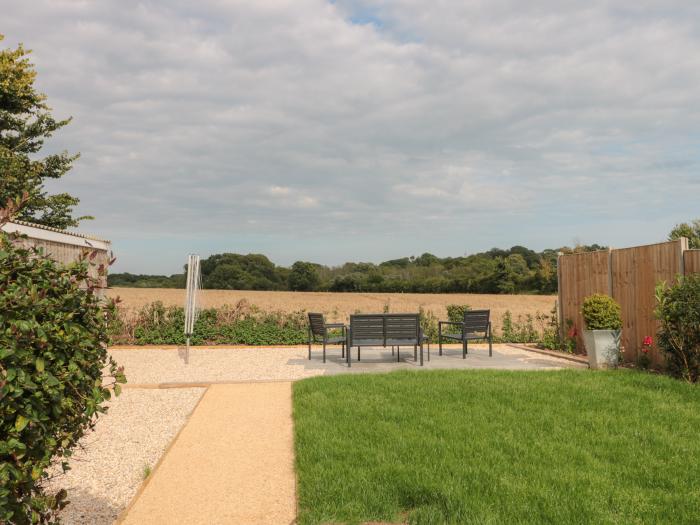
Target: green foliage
(429, 324)
(128, 280)
(678, 310)
(231, 271)
(52, 356)
(689, 230)
(522, 330)
(517, 270)
(156, 324)
(493, 446)
(25, 123)
(601, 312)
(455, 312)
(303, 277)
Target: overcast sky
(334, 131)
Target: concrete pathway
(233, 462)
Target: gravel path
(107, 472)
(152, 366)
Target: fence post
(560, 304)
(610, 270)
(683, 244)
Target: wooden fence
(630, 276)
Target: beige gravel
(148, 366)
(106, 473)
(210, 365)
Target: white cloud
(281, 115)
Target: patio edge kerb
(559, 355)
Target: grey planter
(602, 347)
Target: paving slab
(231, 463)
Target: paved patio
(158, 366)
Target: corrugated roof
(57, 230)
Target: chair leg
(421, 354)
(464, 348)
(415, 352)
(392, 349)
(440, 338)
(324, 350)
(490, 347)
(342, 350)
(398, 354)
(358, 353)
(428, 351)
(310, 337)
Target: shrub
(156, 324)
(678, 310)
(455, 312)
(429, 324)
(518, 331)
(601, 312)
(52, 355)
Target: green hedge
(156, 324)
(243, 324)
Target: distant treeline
(517, 270)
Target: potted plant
(603, 320)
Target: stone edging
(551, 353)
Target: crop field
(338, 306)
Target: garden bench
(318, 332)
(395, 330)
(475, 326)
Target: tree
(303, 277)
(25, 122)
(512, 273)
(691, 231)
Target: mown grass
(498, 447)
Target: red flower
(648, 341)
(572, 332)
(645, 349)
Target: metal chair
(318, 332)
(476, 325)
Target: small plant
(455, 312)
(678, 310)
(517, 331)
(146, 471)
(571, 339)
(644, 360)
(429, 324)
(601, 312)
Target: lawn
(498, 447)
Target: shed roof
(47, 233)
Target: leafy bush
(242, 324)
(601, 312)
(429, 324)
(678, 310)
(522, 330)
(52, 356)
(455, 312)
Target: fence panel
(634, 275)
(581, 275)
(692, 261)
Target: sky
(364, 131)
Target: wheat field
(338, 306)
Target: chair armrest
(335, 325)
(450, 322)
